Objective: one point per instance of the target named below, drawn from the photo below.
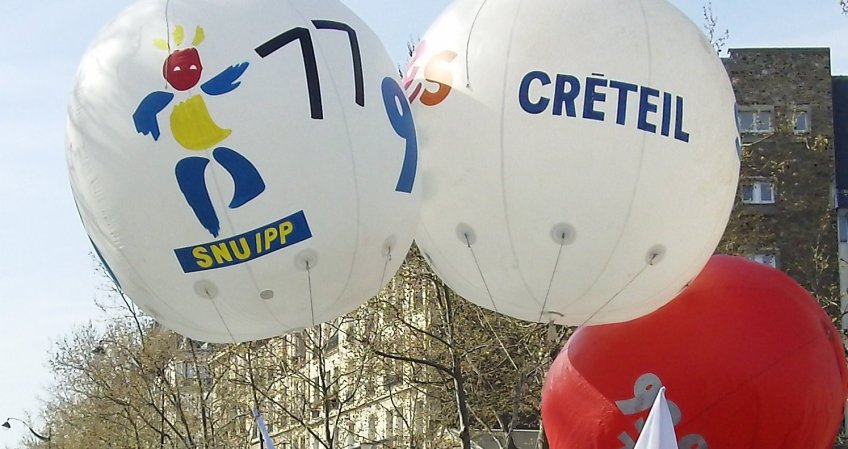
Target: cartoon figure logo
(195, 130)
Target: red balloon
(748, 358)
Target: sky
(47, 274)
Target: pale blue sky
(47, 281)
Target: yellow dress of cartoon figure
(193, 127)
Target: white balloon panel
(244, 168)
(585, 150)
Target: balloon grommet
(266, 294)
(388, 245)
(206, 289)
(655, 255)
(563, 234)
(306, 260)
(466, 234)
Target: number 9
(400, 115)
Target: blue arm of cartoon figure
(225, 81)
(145, 115)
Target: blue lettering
(593, 96)
(269, 238)
(623, 89)
(679, 133)
(524, 93)
(666, 114)
(645, 107)
(566, 97)
(567, 90)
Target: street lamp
(41, 437)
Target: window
(334, 384)
(754, 119)
(270, 422)
(334, 403)
(300, 347)
(391, 379)
(333, 340)
(399, 430)
(372, 427)
(769, 259)
(394, 374)
(189, 371)
(758, 192)
(316, 389)
(842, 227)
(199, 371)
(801, 117)
(390, 424)
(417, 416)
(420, 298)
(351, 434)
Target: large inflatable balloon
(748, 359)
(244, 168)
(580, 156)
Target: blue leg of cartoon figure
(248, 182)
(191, 178)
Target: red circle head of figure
(182, 69)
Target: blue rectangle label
(245, 247)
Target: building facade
(784, 214)
(326, 388)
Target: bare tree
(486, 367)
(717, 38)
(130, 383)
(304, 383)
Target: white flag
(658, 432)
(263, 430)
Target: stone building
(785, 209)
(321, 388)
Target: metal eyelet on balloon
(306, 260)
(266, 294)
(388, 246)
(466, 234)
(563, 234)
(655, 255)
(205, 289)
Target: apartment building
(784, 215)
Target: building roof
(780, 50)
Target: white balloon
(580, 157)
(243, 168)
